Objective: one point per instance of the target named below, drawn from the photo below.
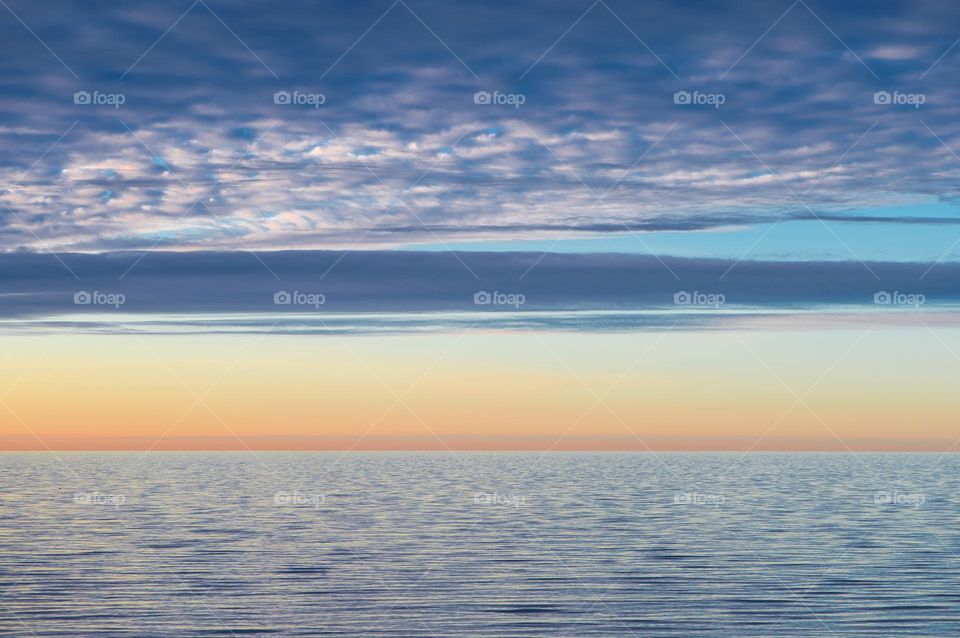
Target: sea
(498, 544)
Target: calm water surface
(477, 544)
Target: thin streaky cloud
(759, 40)
(158, 40)
(358, 40)
(439, 39)
(938, 60)
(639, 39)
(557, 41)
(39, 39)
(839, 39)
(239, 39)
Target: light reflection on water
(479, 544)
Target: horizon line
(544, 445)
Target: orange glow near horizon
(889, 388)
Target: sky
(182, 144)
(197, 179)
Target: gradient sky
(733, 389)
(185, 164)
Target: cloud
(382, 291)
(898, 52)
(201, 156)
